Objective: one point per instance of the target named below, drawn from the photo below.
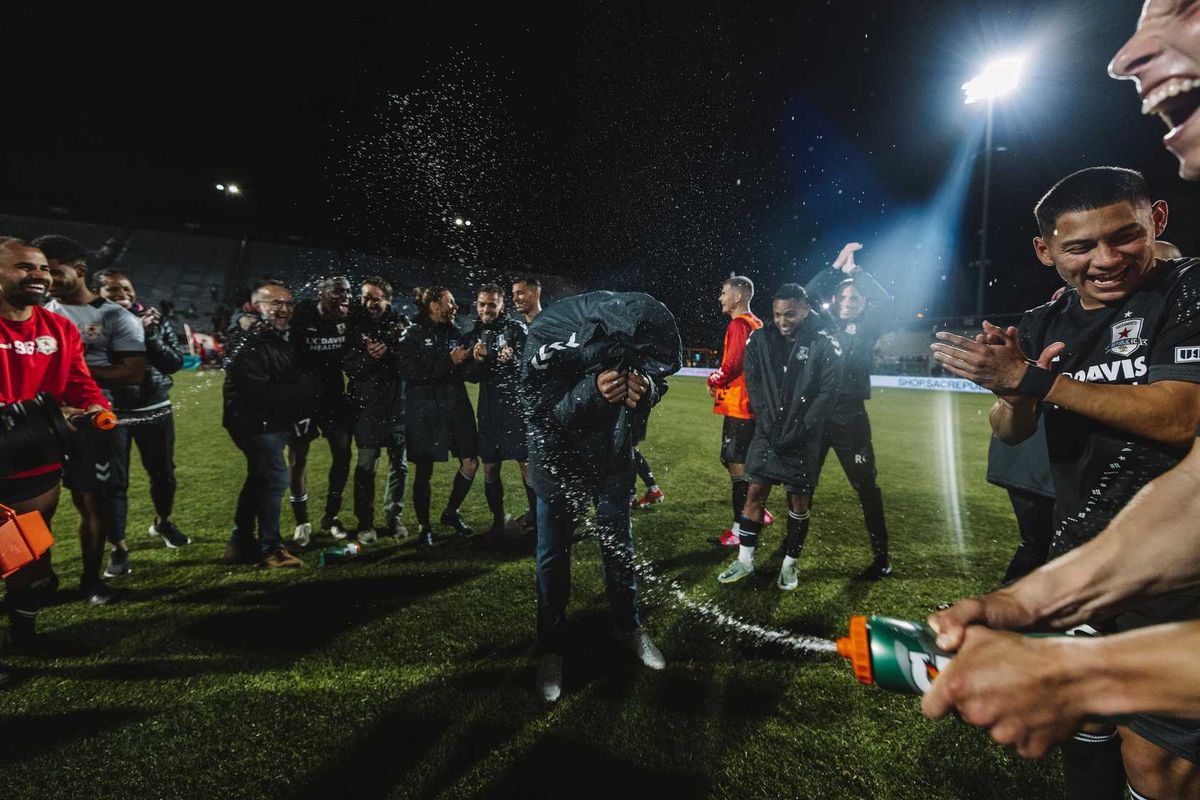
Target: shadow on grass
(28, 735)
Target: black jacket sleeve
(870, 288)
(582, 405)
(821, 288)
(257, 386)
(164, 350)
(753, 367)
(827, 381)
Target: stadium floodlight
(999, 78)
(220, 187)
(458, 221)
(233, 188)
(467, 223)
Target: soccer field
(410, 675)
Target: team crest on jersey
(1126, 337)
(46, 345)
(801, 353)
(341, 328)
(852, 329)
(92, 331)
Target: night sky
(655, 146)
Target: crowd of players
(1107, 372)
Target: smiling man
(1118, 368)
(1162, 58)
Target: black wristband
(1037, 382)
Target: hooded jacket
(501, 413)
(793, 386)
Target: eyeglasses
(275, 303)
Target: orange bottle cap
(857, 647)
(105, 420)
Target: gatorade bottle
(342, 552)
(893, 654)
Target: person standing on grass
(146, 408)
(793, 371)
(857, 304)
(438, 414)
(268, 398)
(39, 352)
(499, 341)
(727, 385)
(378, 391)
(114, 346)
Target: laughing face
(1106, 252)
(24, 276)
(1162, 58)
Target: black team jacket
(164, 357)
(266, 390)
(501, 413)
(433, 386)
(793, 386)
(856, 336)
(376, 386)
(578, 442)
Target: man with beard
(1116, 369)
(146, 408)
(320, 331)
(39, 352)
(115, 350)
(438, 415)
(378, 392)
(527, 297)
(268, 396)
(856, 302)
(793, 370)
(499, 342)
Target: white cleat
(549, 677)
(302, 534)
(398, 529)
(736, 571)
(367, 536)
(638, 642)
(787, 578)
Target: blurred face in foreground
(788, 315)
(119, 289)
(1105, 253)
(850, 302)
(489, 306)
(274, 305)
(1162, 58)
(66, 278)
(375, 300)
(24, 275)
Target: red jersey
(729, 382)
(45, 354)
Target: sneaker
(280, 558)
(243, 552)
(728, 539)
(366, 536)
(302, 534)
(549, 677)
(767, 518)
(397, 529)
(879, 568)
(334, 527)
(455, 521)
(118, 563)
(99, 594)
(172, 537)
(425, 539)
(736, 571)
(652, 498)
(638, 642)
(787, 578)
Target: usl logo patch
(1126, 337)
(1187, 355)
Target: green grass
(410, 675)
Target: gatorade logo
(923, 671)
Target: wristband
(1036, 382)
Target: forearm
(1150, 670)
(117, 375)
(1156, 411)
(1013, 420)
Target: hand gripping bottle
(893, 654)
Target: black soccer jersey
(321, 341)
(1152, 335)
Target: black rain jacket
(376, 385)
(433, 384)
(266, 390)
(501, 412)
(164, 357)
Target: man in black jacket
(793, 369)
(594, 366)
(439, 419)
(857, 304)
(145, 411)
(268, 398)
(499, 342)
(378, 393)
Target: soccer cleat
(727, 539)
(652, 498)
(879, 568)
(172, 537)
(425, 539)
(118, 563)
(787, 578)
(302, 535)
(638, 642)
(549, 677)
(280, 558)
(397, 529)
(736, 571)
(366, 536)
(98, 593)
(455, 521)
(334, 527)
(767, 518)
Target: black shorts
(89, 466)
(464, 434)
(736, 434)
(17, 490)
(336, 416)
(790, 488)
(503, 445)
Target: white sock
(737, 529)
(653, 488)
(788, 561)
(746, 555)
